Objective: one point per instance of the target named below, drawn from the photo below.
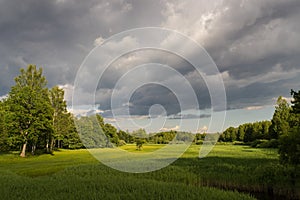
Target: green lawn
(75, 174)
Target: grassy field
(75, 174)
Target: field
(232, 171)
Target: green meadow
(228, 172)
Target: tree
(265, 129)
(248, 137)
(90, 133)
(109, 130)
(289, 146)
(241, 133)
(61, 119)
(125, 136)
(230, 134)
(3, 130)
(139, 143)
(295, 111)
(280, 120)
(29, 103)
(70, 137)
(296, 101)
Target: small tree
(280, 120)
(139, 143)
(61, 117)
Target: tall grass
(77, 175)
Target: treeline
(282, 132)
(267, 132)
(94, 133)
(257, 134)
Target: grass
(75, 174)
(45, 164)
(145, 148)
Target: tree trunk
(52, 145)
(47, 146)
(23, 150)
(33, 149)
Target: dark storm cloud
(57, 35)
(148, 95)
(152, 94)
(254, 43)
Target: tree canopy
(30, 108)
(289, 148)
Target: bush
(273, 143)
(256, 143)
(121, 143)
(238, 143)
(199, 142)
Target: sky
(254, 44)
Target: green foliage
(296, 101)
(71, 139)
(247, 133)
(140, 133)
(121, 143)
(280, 120)
(65, 134)
(125, 136)
(289, 148)
(139, 143)
(199, 138)
(34, 117)
(162, 137)
(4, 146)
(109, 130)
(91, 133)
(29, 103)
(229, 135)
(295, 109)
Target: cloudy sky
(254, 43)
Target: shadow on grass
(265, 178)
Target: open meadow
(75, 174)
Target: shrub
(199, 142)
(238, 143)
(121, 143)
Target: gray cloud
(254, 43)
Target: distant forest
(35, 119)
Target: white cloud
(288, 99)
(254, 108)
(236, 32)
(98, 41)
(203, 129)
(3, 97)
(176, 128)
(68, 88)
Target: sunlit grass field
(75, 174)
